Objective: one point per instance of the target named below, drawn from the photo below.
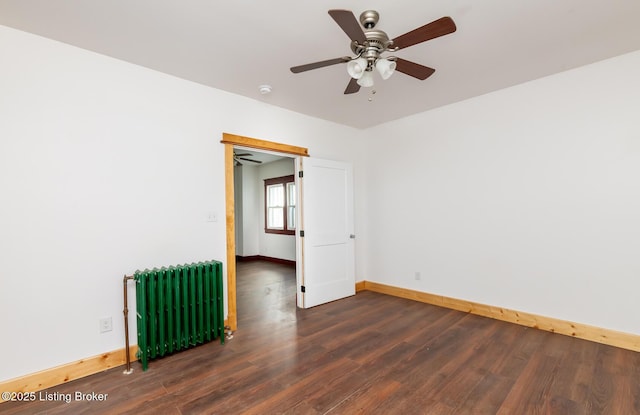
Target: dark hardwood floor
(370, 354)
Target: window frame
(284, 180)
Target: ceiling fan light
(366, 80)
(385, 68)
(356, 68)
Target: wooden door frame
(230, 140)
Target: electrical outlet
(417, 276)
(212, 217)
(106, 324)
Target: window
(280, 205)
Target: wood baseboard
(58, 375)
(265, 258)
(360, 286)
(582, 331)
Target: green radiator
(178, 307)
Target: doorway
(265, 225)
(231, 140)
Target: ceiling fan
(242, 156)
(368, 44)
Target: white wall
(527, 198)
(249, 213)
(238, 206)
(105, 168)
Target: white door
(326, 264)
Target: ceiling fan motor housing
(377, 43)
(369, 19)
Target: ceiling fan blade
(437, 28)
(253, 161)
(321, 64)
(352, 87)
(414, 69)
(348, 22)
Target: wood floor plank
(293, 393)
(531, 393)
(369, 353)
(486, 397)
(442, 372)
(367, 399)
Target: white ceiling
(238, 45)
